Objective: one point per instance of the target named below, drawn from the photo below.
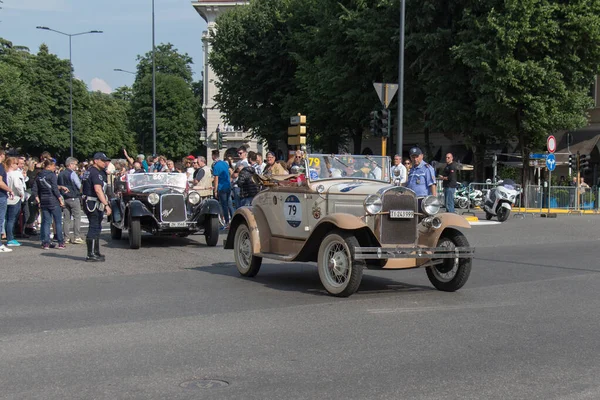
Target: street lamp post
(123, 70)
(400, 132)
(70, 35)
(153, 87)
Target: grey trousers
(72, 209)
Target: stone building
(233, 137)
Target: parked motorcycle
(500, 200)
(461, 197)
(476, 198)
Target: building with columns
(233, 137)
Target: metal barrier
(568, 198)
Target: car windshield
(336, 166)
(163, 179)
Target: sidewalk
(555, 210)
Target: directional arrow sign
(551, 162)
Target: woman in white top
(14, 179)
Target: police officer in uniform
(421, 178)
(95, 202)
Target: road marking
(436, 308)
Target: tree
(106, 126)
(531, 65)
(176, 115)
(177, 123)
(14, 104)
(251, 58)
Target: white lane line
(485, 223)
(436, 308)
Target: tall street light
(400, 132)
(153, 87)
(123, 70)
(70, 35)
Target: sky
(127, 27)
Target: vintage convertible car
(162, 204)
(344, 213)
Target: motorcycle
(461, 197)
(476, 198)
(500, 200)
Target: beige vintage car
(344, 213)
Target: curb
(472, 219)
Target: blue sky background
(127, 26)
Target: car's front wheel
(211, 230)
(340, 273)
(452, 273)
(135, 233)
(247, 264)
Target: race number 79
(292, 209)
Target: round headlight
(431, 205)
(194, 198)
(153, 199)
(373, 204)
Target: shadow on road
(304, 278)
(156, 241)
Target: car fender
(430, 237)
(137, 209)
(211, 207)
(256, 222)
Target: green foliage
(14, 102)
(177, 109)
(255, 68)
(176, 115)
(35, 112)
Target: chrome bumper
(383, 253)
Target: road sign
(537, 156)
(551, 162)
(551, 144)
(385, 92)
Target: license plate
(402, 214)
(178, 224)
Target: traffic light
(384, 123)
(572, 161)
(375, 123)
(584, 161)
(219, 138)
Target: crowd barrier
(568, 198)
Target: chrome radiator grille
(172, 208)
(398, 231)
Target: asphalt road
(175, 321)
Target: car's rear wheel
(135, 233)
(247, 264)
(340, 273)
(115, 233)
(452, 273)
(211, 230)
